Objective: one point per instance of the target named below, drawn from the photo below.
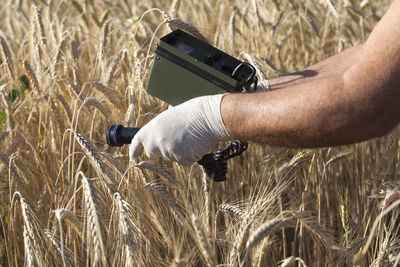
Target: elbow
(376, 105)
(381, 125)
(385, 127)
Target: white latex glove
(183, 133)
(263, 86)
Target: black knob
(118, 135)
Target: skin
(350, 97)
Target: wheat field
(70, 68)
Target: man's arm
(344, 105)
(350, 97)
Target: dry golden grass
(70, 68)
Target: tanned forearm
(310, 114)
(352, 98)
(334, 65)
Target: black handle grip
(118, 135)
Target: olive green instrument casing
(185, 67)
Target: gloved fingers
(152, 152)
(182, 160)
(135, 148)
(187, 157)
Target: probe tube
(118, 135)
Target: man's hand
(183, 133)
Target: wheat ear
(90, 101)
(175, 24)
(360, 257)
(204, 244)
(332, 8)
(174, 7)
(232, 210)
(159, 170)
(265, 230)
(57, 57)
(94, 238)
(391, 196)
(256, 14)
(290, 261)
(37, 19)
(244, 231)
(131, 107)
(7, 56)
(105, 30)
(168, 198)
(67, 261)
(74, 88)
(231, 31)
(63, 214)
(75, 57)
(128, 231)
(350, 250)
(109, 94)
(32, 76)
(314, 227)
(94, 158)
(31, 235)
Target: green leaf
(3, 119)
(24, 83)
(13, 94)
(131, 21)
